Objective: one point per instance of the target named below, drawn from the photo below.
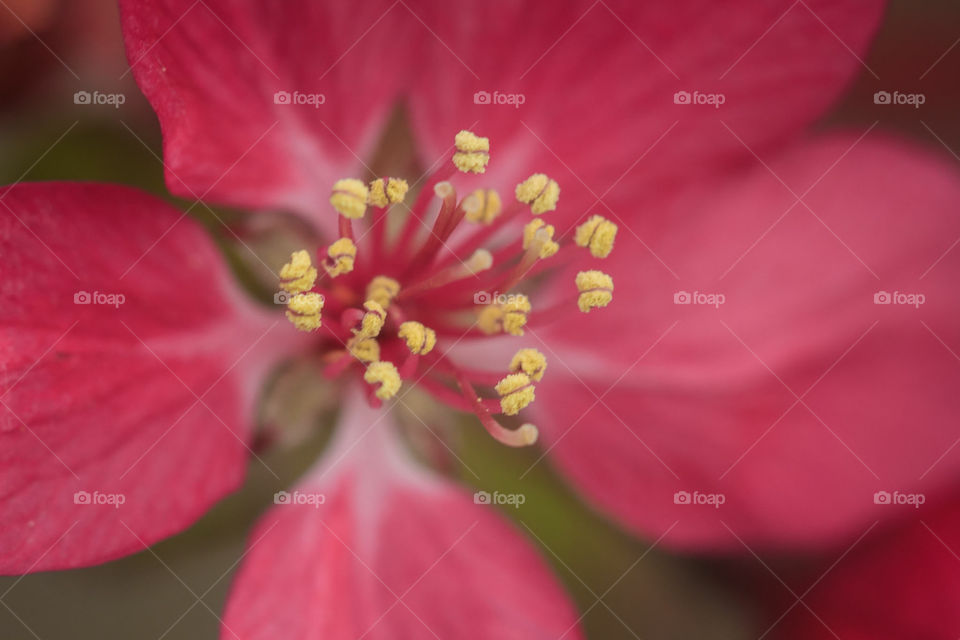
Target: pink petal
(598, 82)
(902, 583)
(713, 407)
(391, 553)
(211, 70)
(103, 398)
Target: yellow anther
(509, 317)
(384, 191)
(541, 234)
(342, 254)
(304, 309)
(383, 290)
(598, 234)
(473, 152)
(386, 375)
(515, 312)
(490, 320)
(420, 339)
(596, 290)
(482, 206)
(364, 349)
(373, 318)
(531, 362)
(540, 192)
(516, 392)
(349, 197)
(299, 274)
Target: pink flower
(742, 384)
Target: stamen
(482, 206)
(447, 220)
(420, 339)
(303, 310)
(342, 254)
(598, 234)
(364, 349)
(473, 152)
(372, 322)
(384, 191)
(479, 261)
(537, 231)
(540, 192)
(509, 316)
(438, 288)
(531, 362)
(448, 211)
(417, 214)
(298, 275)
(596, 290)
(516, 392)
(349, 198)
(527, 433)
(521, 437)
(383, 290)
(385, 374)
(482, 235)
(490, 319)
(540, 246)
(515, 312)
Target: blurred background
(50, 49)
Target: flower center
(385, 308)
